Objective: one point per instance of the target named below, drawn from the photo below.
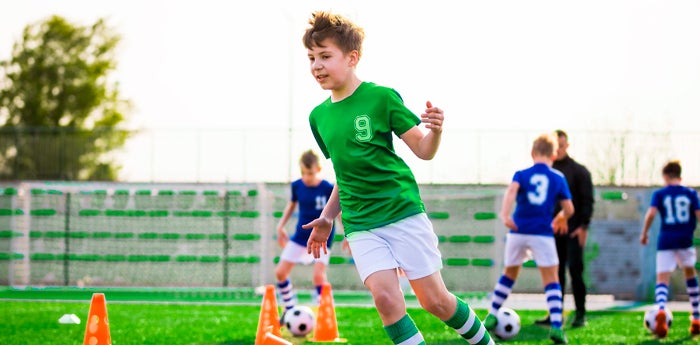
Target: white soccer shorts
(668, 260)
(296, 253)
(410, 244)
(520, 248)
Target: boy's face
(308, 175)
(330, 66)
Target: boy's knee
(437, 304)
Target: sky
(512, 65)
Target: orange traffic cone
(269, 321)
(97, 325)
(326, 329)
(271, 339)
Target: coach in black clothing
(570, 247)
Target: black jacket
(581, 187)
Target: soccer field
(36, 322)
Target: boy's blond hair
(545, 145)
(308, 159)
(323, 25)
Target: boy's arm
(282, 236)
(322, 225)
(425, 145)
(506, 207)
(648, 219)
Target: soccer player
(679, 209)
(383, 215)
(310, 193)
(535, 191)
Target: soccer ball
(508, 324)
(299, 320)
(650, 318)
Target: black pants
(571, 255)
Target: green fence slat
(194, 236)
(121, 192)
(89, 212)
(42, 257)
(124, 235)
(79, 234)
(210, 193)
(186, 258)
(234, 192)
(237, 259)
(250, 214)
(253, 259)
(158, 213)
(187, 192)
(253, 192)
(9, 234)
(460, 239)
(137, 258)
(438, 215)
(55, 192)
(529, 264)
(148, 235)
(11, 212)
(37, 191)
(277, 214)
(442, 238)
(136, 213)
(146, 192)
(115, 213)
(229, 214)
(55, 234)
(613, 195)
(209, 258)
(484, 215)
(170, 236)
(9, 191)
(482, 262)
(43, 212)
(246, 237)
(276, 259)
(202, 213)
(457, 262)
(484, 239)
(337, 260)
(159, 258)
(102, 234)
(165, 192)
(114, 258)
(217, 236)
(35, 234)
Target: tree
(59, 109)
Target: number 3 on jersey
(677, 209)
(539, 195)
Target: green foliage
(59, 109)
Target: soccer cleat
(490, 322)
(545, 321)
(695, 327)
(661, 327)
(557, 335)
(579, 320)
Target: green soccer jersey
(375, 185)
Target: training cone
(269, 321)
(97, 324)
(271, 339)
(326, 329)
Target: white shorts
(410, 244)
(520, 248)
(296, 253)
(666, 260)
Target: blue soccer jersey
(541, 187)
(310, 201)
(677, 205)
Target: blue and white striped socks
(286, 291)
(500, 293)
(554, 302)
(694, 296)
(661, 293)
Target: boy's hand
(560, 226)
(433, 117)
(282, 237)
(581, 234)
(644, 239)
(319, 235)
(510, 224)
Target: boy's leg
(691, 284)
(437, 300)
(500, 293)
(661, 296)
(318, 279)
(552, 291)
(388, 299)
(284, 284)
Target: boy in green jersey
(383, 215)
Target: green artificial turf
(34, 322)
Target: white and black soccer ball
(650, 318)
(299, 320)
(508, 324)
